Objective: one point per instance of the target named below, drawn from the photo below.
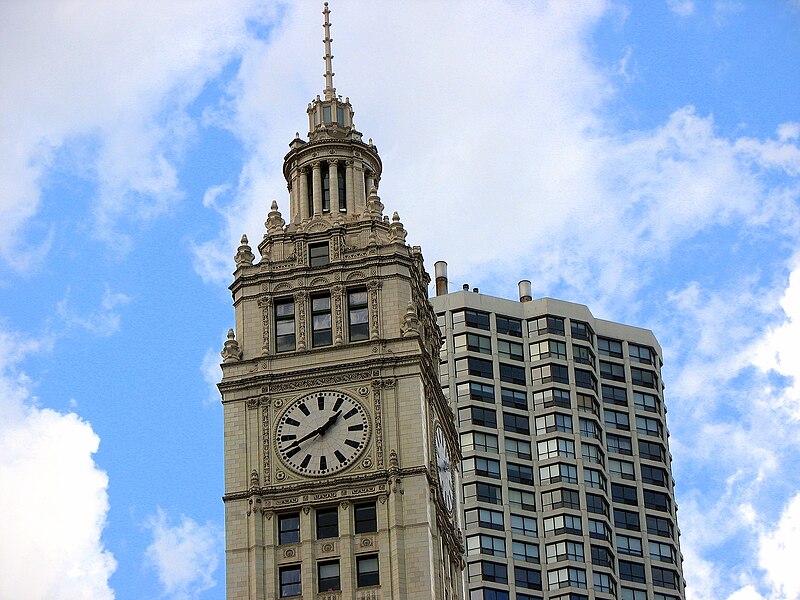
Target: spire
(330, 91)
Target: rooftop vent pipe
(525, 291)
(440, 271)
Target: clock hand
(318, 431)
(329, 423)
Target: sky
(642, 158)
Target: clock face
(322, 433)
(445, 468)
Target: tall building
(567, 481)
(339, 443)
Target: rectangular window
(472, 318)
(651, 450)
(479, 465)
(358, 315)
(558, 473)
(621, 468)
(657, 501)
(512, 350)
(592, 478)
(328, 576)
(327, 523)
(550, 373)
(489, 594)
(519, 448)
(591, 453)
(562, 524)
(661, 552)
(321, 321)
(602, 556)
(646, 402)
(486, 544)
(523, 525)
(289, 528)
(318, 254)
(367, 570)
(551, 397)
(561, 498)
(484, 517)
(479, 441)
(553, 422)
(624, 494)
(520, 499)
(366, 517)
(619, 444)
(583, 355)
(474, 366)
(548, 349)
(526, 551)
(290, 581)
(659, 526)
(284, 325)
(614, 395)
(566, 577)
(488, 571)
(473, 343)
(631, 546)
(617, 420)
(588, 404)
(654, 476)
(585, 379)
(519, 474)
(546, 324)
(555, 447)
(648, 426)
(613, 371)
(603, 583)
(483, 492)
(474, 390)
(626, 519)
(631, 571)
(641, 354)
(478, 415)
(598, 530)
(509, 326)
(580, 330)
(608, 347)
(512, 374)
(643, 377)
(589, 429)
(564, 551)
(514, 398)
(596, 504)
(631, 594)
(664, 578)
(527, 578)
(515, 423)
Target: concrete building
(567, 480)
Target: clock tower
(340, 448)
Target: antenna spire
(330, 91)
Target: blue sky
(639, 157)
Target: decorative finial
(231, 351)
(275, 222)
(244, 255)
(374, 204)
(330, 91)
(398, 231)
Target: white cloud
(212, 374)
(779, 551)
(53, 499)
(185, 555)
(103, 322)
(682, 8)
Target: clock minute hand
(318, 431)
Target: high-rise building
(567, 480)
(345, 425)
(338, 440)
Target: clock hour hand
(329, 423)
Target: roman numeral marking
(350, 413)
(337, 405)
(340, 457)
(321, 402)
(358, 427)
(304, 409)
(323, 463)
(352, 443)
(306, 460)
(292, 422)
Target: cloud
(682, 8)
(778, 551)
(212, 374)
(103, 322)
(53, 498)
(185, 555)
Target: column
(333, 179)
(360, 194)
(317, 183)
(302, 201)
(349, 197)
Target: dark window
(643, 377)
(619, 444)
(657, 501)
(641, 354)
(626, 519)
(321, 321)
(512, 374)
(366, 518)
(483, 492)
(484, 517)
(597, 530)
(340, 176)
(553, 422)
(318, 254)
(664, 578)
(581, 330)
(520, 474)
(488, 571)
(518, 448)
(631, 571)
(613, 371)
(546, 324)
(290, 581)
(523, 525)
(629, 545)
(326, 175)
(588, 404)
(591, 453)
(651, 451)
(624, 494)
(648, 426)
(328, 576)
(614, 395)
(602, 556)
(608, 347)
(358, 315)
(472, 342)
(515, 423)
(585, 379)
(284, 325)
(289, 528)
(548, 373)
(486, 544)
(367, 570)
(509, 326)
(596, 504)
(583, 355)
(659, 526)
(327, 523)
(480, 367)
(654, 476)
(647, 402)
(514, 398)
(525, 551)
(473, 318)
(617, 420)
(485, 417)
(561, 498)
(527, 578)
(552, 397)
(482, 392)
(485, 467)
(512, 350)
(522, 500)
(488, 594)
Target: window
(474, 390)
(558, 473)
(621, 468)
(596, 504)
(488, 594)
(553, 422)
(582, 355)
(591, 453)
(526, 551)
(617, 420)
(484, 517)
(659, 526)
(665, 578)
(486, 544)
(522, 500)
(580, 330)
(527, 578)
(641, 354)
(567, 577)
(660, 596)
(472, 342)
(648, 426)
(662, 552)
(647, 402)
(593, 478)
(654, 476)
(479, 465)
(479, 441)
(512, 374)
(546, 325)
(631, 571)
(290, 581)
(626, 519)
(520, 474)
(608, 347)
(487, 571)
(564, 551)
(585, 379)
(472, 318)
(509, 326)
(562, 524)
(657, 501)
(512, 350)
(597, 529)
(366, 518)
(548, 349)
(327, 523)
(631, 546)
(289, 528)
(483, 492)
(631, 594)
(561, 498)
(613, 371)
(328, 576)
(367, 570)
(624, 494)
(651, 451)
(514, 398)
(318, 254)
(515, 423)
(614, 395)
(604, 583)
(522, 525)
(643, 377)
(588, 404)
(284, 325)
(518, 448)
(550, 373)
(589, 429)
(550, 398)
(358, 315)
(478, 415)
(555, 447)
(321, 321)
(474, 366)
(619, 444)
